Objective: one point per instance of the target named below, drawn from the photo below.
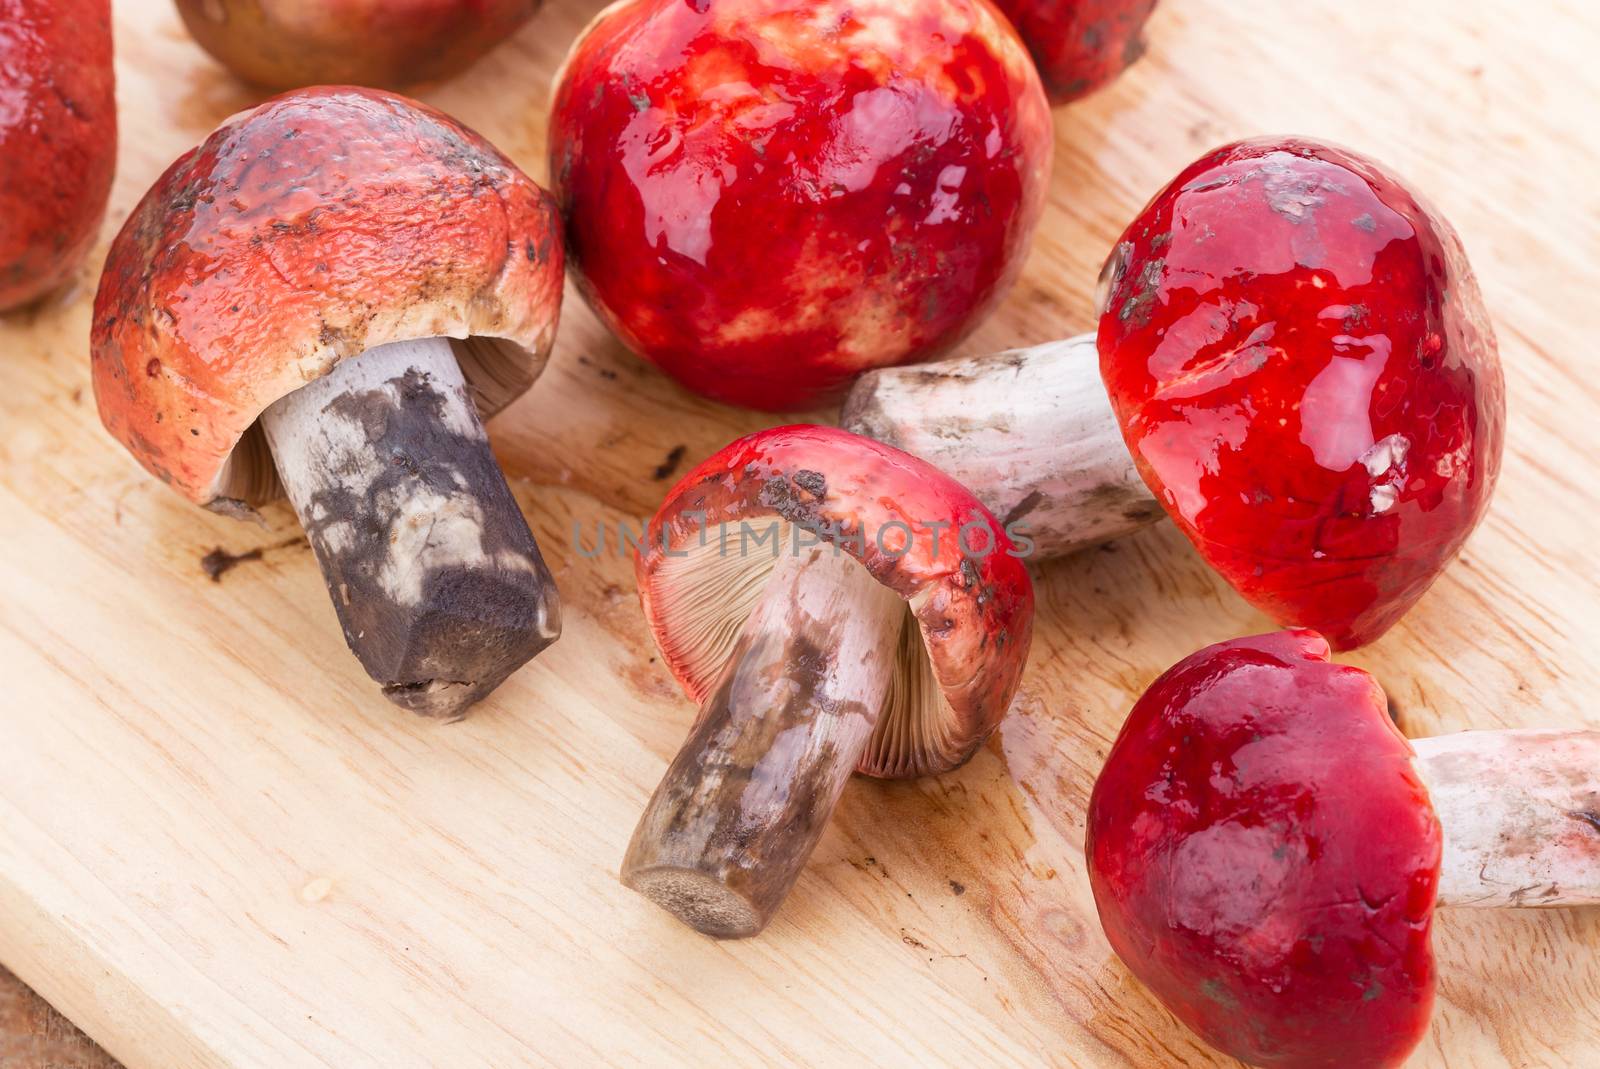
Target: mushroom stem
(437, 581)
(1520, 812)
(743, 804)
(1031, 431)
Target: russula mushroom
(833, 605)
(1294, 351)
(766, 197)
(58, 141)
(1266, 849)
(1080, 45)
(287, 44)
(324, 297)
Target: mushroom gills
(743, 804)
(1031, 431)
(1520, 813)
(436, 578)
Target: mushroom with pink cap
(834, 605)
(325, 298)
(1266, 849)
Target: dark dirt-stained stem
(745, 801)
(435, 576)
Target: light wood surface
(33, 1035)
(219, 847)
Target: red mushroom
(287, 44)
(1080, 45)
(58, 140)
(1294, 350)
(766, 197)
(330, 291)
(1265, 848)
(834, 605)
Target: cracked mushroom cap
(1265, 859)
(1299, 357)
(969, 613)
(301, 233)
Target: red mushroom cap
(304, 232)
(283, 44)
(58, 140)
(1305, 375)
(767, 197)
(1265, 859)
(916, 530)
(1080, 45)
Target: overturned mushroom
(834, 605)
(1266, 850)
(324, 298)
(1294, 351)
(58, 141)
(286, 44)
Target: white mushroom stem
(1520, 811)
(1030, 431)
(743, 804)
(436, 578)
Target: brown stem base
(437, 581)
(743, 804)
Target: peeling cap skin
(1080, 45)
(1265, 859)
(317, 226)
(766, 197)
(1301, 363)
(285, 44)
(974, 609)
(58, 140)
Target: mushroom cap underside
(710, 548)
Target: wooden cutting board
(219, 847)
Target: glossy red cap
(918, 531)
(285, 44)
(765, 198)
(58, 141)
(1265, 859)
(301, 233)
(1299, 356)
(1080, 45)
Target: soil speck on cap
(957, 887)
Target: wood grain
(34, 1036)
(204, 867)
